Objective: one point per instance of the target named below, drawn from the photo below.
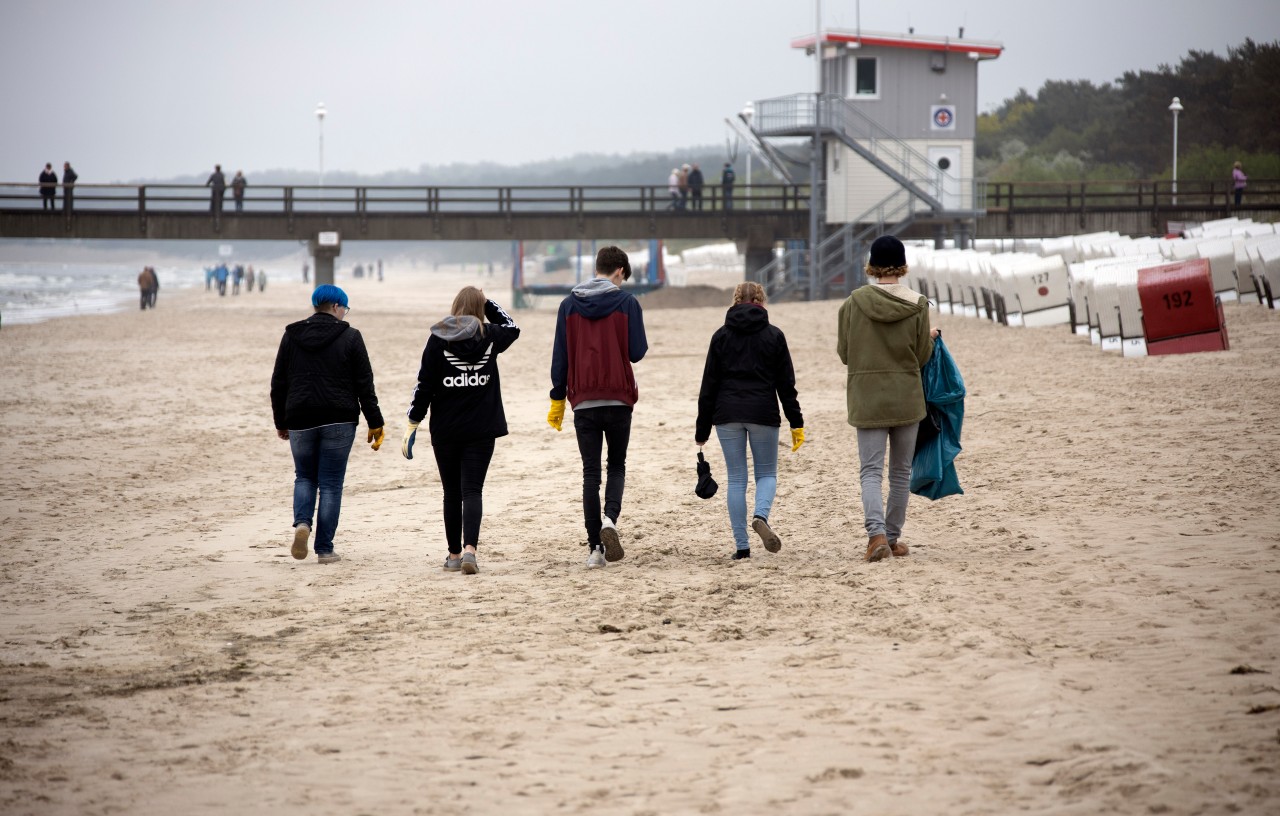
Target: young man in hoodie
(599, 334)
(884, 339)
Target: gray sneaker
(300, 535)
(328, 558)
(767, 536)
(469, 566)
(596, 559)
(452, 563)
(609, 538)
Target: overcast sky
(129, 89)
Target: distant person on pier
(1238, 181)
(673, 188)
(219, 184)
(695, 186)
(49, 188)
(726, 185)
(237, 190)
(248, 280)
(68, 187)
(148, 286)
(684, 187)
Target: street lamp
(747, 114)
(1176, 107)
(320, 111)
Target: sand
(1072, 636)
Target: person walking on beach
(1238, 182)
(220, 275)
(68, 187)
(458, 383)
(599, 335)
(148, 286)
(219, 184)
(727, 178)
(48, 188)
(748, 371)
(237, 190)
(248, 280)
(262, 280)
(695, 187)
(884, 339)
(321, 383)
(237, 275)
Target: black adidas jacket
(458, 379)
(748, 371)
(322, 376)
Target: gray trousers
(901, 445)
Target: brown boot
(877, 548)
(899, 549)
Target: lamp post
(1176, 107)
(748, 112)
(320, 112)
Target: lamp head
(1175, 105)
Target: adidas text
(463, 380)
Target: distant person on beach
(884, 340)
(306, 272)
(48, 188)
(237, 190)
(262, 280)
(1238, 182)
(748, 371)
(599, 335)
(458, 383)
(673, 189)
(380, 270)
(695, 186)
(248, 280)
(209, 273)
(68, 187)
(321, 383)
(220, 275)
(237, 275)
(219, 184)
(148, 287)
(727, 178)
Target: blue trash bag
(933, 470)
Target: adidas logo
(469, 377)
(463, 380)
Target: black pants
(594, 427)
(462, 466)
(696, 195)
(1239, 194)
(215, 202)
(68, 199)
(49, 202)
(727, 194)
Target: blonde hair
(748, 292)
(469, 301)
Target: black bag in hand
(707, 486)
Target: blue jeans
(594, 427)
(320, 465)
(734, 439)
(901, 443)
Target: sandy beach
(1094, 627)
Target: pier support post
(324, 248)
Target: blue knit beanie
(328, 293)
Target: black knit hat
(887, 253)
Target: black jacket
(458, 378)
(322, 376)
(48, 183)
(748, 371)
(68, 176)
(695, 180)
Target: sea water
(31, 292)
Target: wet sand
(1073, 635)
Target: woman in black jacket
(458, 382)
(748, 371)
(321, 383)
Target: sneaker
(899, 549)
(469, 566)
(452, 563)
(771, 541)
(877, 548)
(300, 535)
(738, 555)
(609, 538)
(596, 559)
(328, 558)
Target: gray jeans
(901, 444)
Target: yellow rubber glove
(375, 438)
(797, 439)
(410, 435)
(555, 417)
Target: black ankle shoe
(738, 555)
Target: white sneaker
(596, 559)
(609, 538)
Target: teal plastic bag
(933, 470)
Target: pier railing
(1194, 194)
(400, 200)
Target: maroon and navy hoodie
(599, 334)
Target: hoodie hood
(462, 335)
(316, 332)
(882, 306)
(597, 298)
(746, 318)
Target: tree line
(1072, 130)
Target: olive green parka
(884, 341)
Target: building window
(866, 77)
